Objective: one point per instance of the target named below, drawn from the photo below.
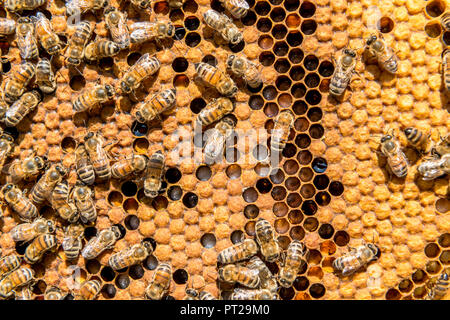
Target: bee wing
(143, 26)
(72, 5)
(26, 43)
(119, 32)
(242, 4)
(139, 36)
(348, 270)
(214, 143)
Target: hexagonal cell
(433, 267)
(445, 257)
(296, 55)
(277, 177)
(277, 14)
(256, 102)
(309, 27)
(322, 198)
(77, 83)
(279, 31)
(237, 236)
(435, 8)
(251, 211)
(281, 226)
(432, 250)
(309, 208)
(444, 240)
(341, 238)
(286, 293)
(393, 294)
(115, 198)
(278, 193)
(151, 263)
(129, 189)
(250, 228)
(175, 193)
(130, 206)
(442, 205)
(420, 292)
(109, 291)
(132, 222)
(192, 39)
(285, 100)
(419, 276)
(263, 185)
(301, 283)
(264, 25)
(295, 216)
(280, 209)
(405, 285)
(208, 240)
(294, 200)
(249, 19)
(280, 48)
(107, 274)
(297, 73)
(203, 173)
(139, 129)
(190, 200)
(386, 25)
(68, 144)
(173, 175)
(191, 23)
(283, 83)
(265, 42)
(433, 29)
(262, 8)
(122, 281)
(93, 266)
(271, 109)
(297, 233)
(298, 90)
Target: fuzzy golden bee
(104, 240)
(72, 242)
(144, 67)
(89, 290)
(23, 293)
(215, 110)
(53, 293)
(385, 56)
(84, 168)
(438, 286)
(20, 108)
(83, 197)
(281, 130)
(40, 245)
(445, 21)
(216, 78)
(237, 8)
(251, 294)
(6, 146)
(18, 202)
(192, 294)
(245, 69)
(160, 283)
(17, 278)
(77, 43)
(43, 188)
(74, 7)
(442, 147)
(21, 5)
(434, 168)
(60, 201)
(223, 25)
(265, 236)
(7, 27)
(238, 274)
(141, 32)
(158, 103)
(26, 169)
(16, 83)
(396, 159)
(418, 139)
(116, 22)
(48, 39)
(268, 280)
(8, 264)
(446, 67)
(3, 107)
(216, 138)
(291, 263)
(101, 48)
(94, 144)
(345, 67)
(155, 170)
(130, 256)
(238, 252)
(26, 39)
(356, 259)
(129, 166)
(30, 230)
(45, 78)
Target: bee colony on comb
(232, 149)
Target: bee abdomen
(102, 169)
(73, 251)
(86, 174)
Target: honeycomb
(332, 190)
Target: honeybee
(83, 197)
(438, 287)
(237, 8)
(23, 293)
(16, 83)
(6, 146)
(53, 293)
(160, 282)
(126, 167)
(7, 27)
(48, 39)
(205, 295)
(255, 294)
(215, 110)
(130, 256)
(268, 281)
(217, 137)
(85, 170)
(3, 107)
(65, 208)
(191, 294)
(21, 5)
(445, 21)
(116, 22)
(29, 231)
(222, 24)
(74, 7)
(157, 104)
(234, 273)
(142, 69)
(45, 78)
(72, 245)
(443, 147)
(143, 4)
(281, 130)
(238, 252)
(77, 43)
(26, 39)
(245, 69)
(435, 168)
(216, 78)
(141, 32)
(20, 108)
(385, 56)
(446, 67)
(97, 155)
(104, 240)
(153, 179)
(26, 169)
(40, 245)
(89, 290)
(101, 48)
(176, 3)
(15, 279)
(418, 139)
(357, 258)
(396, 159)
(45, 185)
(345, 66)
(292, 263)
(8, 264)
(266, 240)
(93, 97)
(18, 202)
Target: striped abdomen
(25, 209)
(85, 170)
(7, 26)
(446, 66)
(88, 212)
(440, 288)
(122, 168)
(215, 110)
(17, 278)
(252, 76)
(160, 102)
(163, 275)
(398, 164)
(102, 168)
(72, 247)
(215, 20)
(60, 194)
(39, 246)
(238, 8)
(208, 73)
(417, 138)
(9, 264)
(89, 290)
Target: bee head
(144, 4)
(88, 136)
(140, 117)
(7, 187)
(386, 138)
(50, 226)
(375, 250)
(230, 60)
(148, 246)
(371, 39)
(73, 61)
(408, 131)
(170, 30)
(116, 231)
(61, 170)
(124, 84)
(110, 92)
(40, 162)
(236, 38)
